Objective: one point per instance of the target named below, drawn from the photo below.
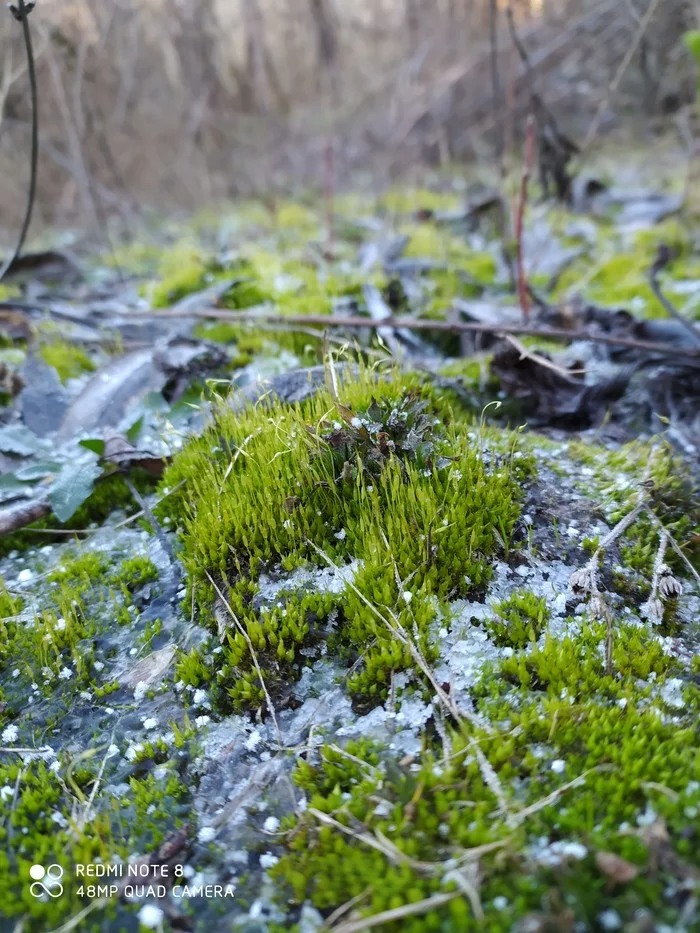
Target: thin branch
(642, 27)
(663, 257)
(21, 13)
(496, 85)
(409, 323)
(529, 160)
(397, 913)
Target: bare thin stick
(528, 162)
(663, 257)
(21, 13)
(151, 519)
(254, 656)
(623, 66)
(496, 85)
(409, 323)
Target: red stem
(520, 216)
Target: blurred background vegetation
(175, 104)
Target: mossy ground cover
(370, 595)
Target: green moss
(296, 216)
(505, 786)
(519, 620)
(81, 572)
(43, 826)
(429, 241)
(67, 359)
(135, 571)
(622, 279)
(389, 483)
(403, 201)
(186, 280)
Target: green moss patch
(389, 484)
(67, 359)
(517, 820)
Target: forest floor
(320, 626)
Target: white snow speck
(151, 916)
(206, 834)
(24, 576)
(140, 690)
(609, 919)
(267, 860)
(200, 698)
(559, 766)
(271, 824)
(672, 693)
(253, 740)
(150, 723)
(10, 733)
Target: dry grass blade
(397, 913)
(253, 654)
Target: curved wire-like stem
(21, 12)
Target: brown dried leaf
(616, 869)
(119, 451)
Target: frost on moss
(417, 502)
(510, 819)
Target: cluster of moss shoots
(52, 811)
(379, 479)
(560, 748)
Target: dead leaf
(615, 868)
(14, 324)
(151, 669)
(119, 451)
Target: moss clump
(622, 279)
(389, 484)
(506, 787)
(81, 573)
(135, 571)
(44, 806)
(519, 620)
(67, 359)
(671, 497)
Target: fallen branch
(22, 515)
(408, 323)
